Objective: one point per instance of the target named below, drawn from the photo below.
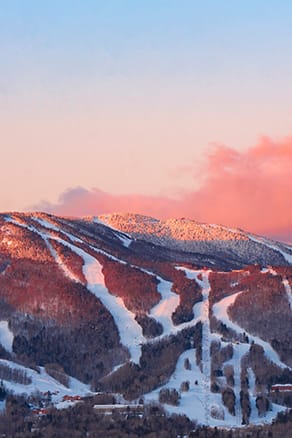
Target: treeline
(23, 243)
(87, 352)
(41, 289)
(15, 375)
(157, 363)
(263, 309)
(280, 428)
(70, 259)
(83, 421)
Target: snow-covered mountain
(197, 317)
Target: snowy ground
(130, 331)
(68, 273)
(220, 312)
(198, 403)
(43, 382)
(193, 402)
(286, 254)
(6, 336)
(124, 238)
(285, 283)
(288, 291)
(163, 311)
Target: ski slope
(198, 403)
(6, 336)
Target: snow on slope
(46, 224)
(220, 311)
(285, 283)
(252, 395)
(237, 355)
(202, 278)
(199, 403)
(193, 402)
(126, 241)
(43, 382)
(6, 336)
(288, 291)
(124, 238)
(163, 311)
(130, 331)
(156, 230)
(270, 244)
(239, 350)
(206, 337)
(68, 273)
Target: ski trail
(6, 336)
(220, 311)
(206, 362)
(130, 331)
(45, 223)
(252, 394)
(288, 291)
(202, 278)
(251, 382)
(287, 255)
(125, 238)
(68, 273)
(162, 311)
(43, 382)
(237, 383)
(199, 401)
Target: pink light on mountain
(250, 189)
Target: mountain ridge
(74, 290)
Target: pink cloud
(250, 189)
(82, 202)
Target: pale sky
(127, 96)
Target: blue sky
(203, 40)
(123, 95)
